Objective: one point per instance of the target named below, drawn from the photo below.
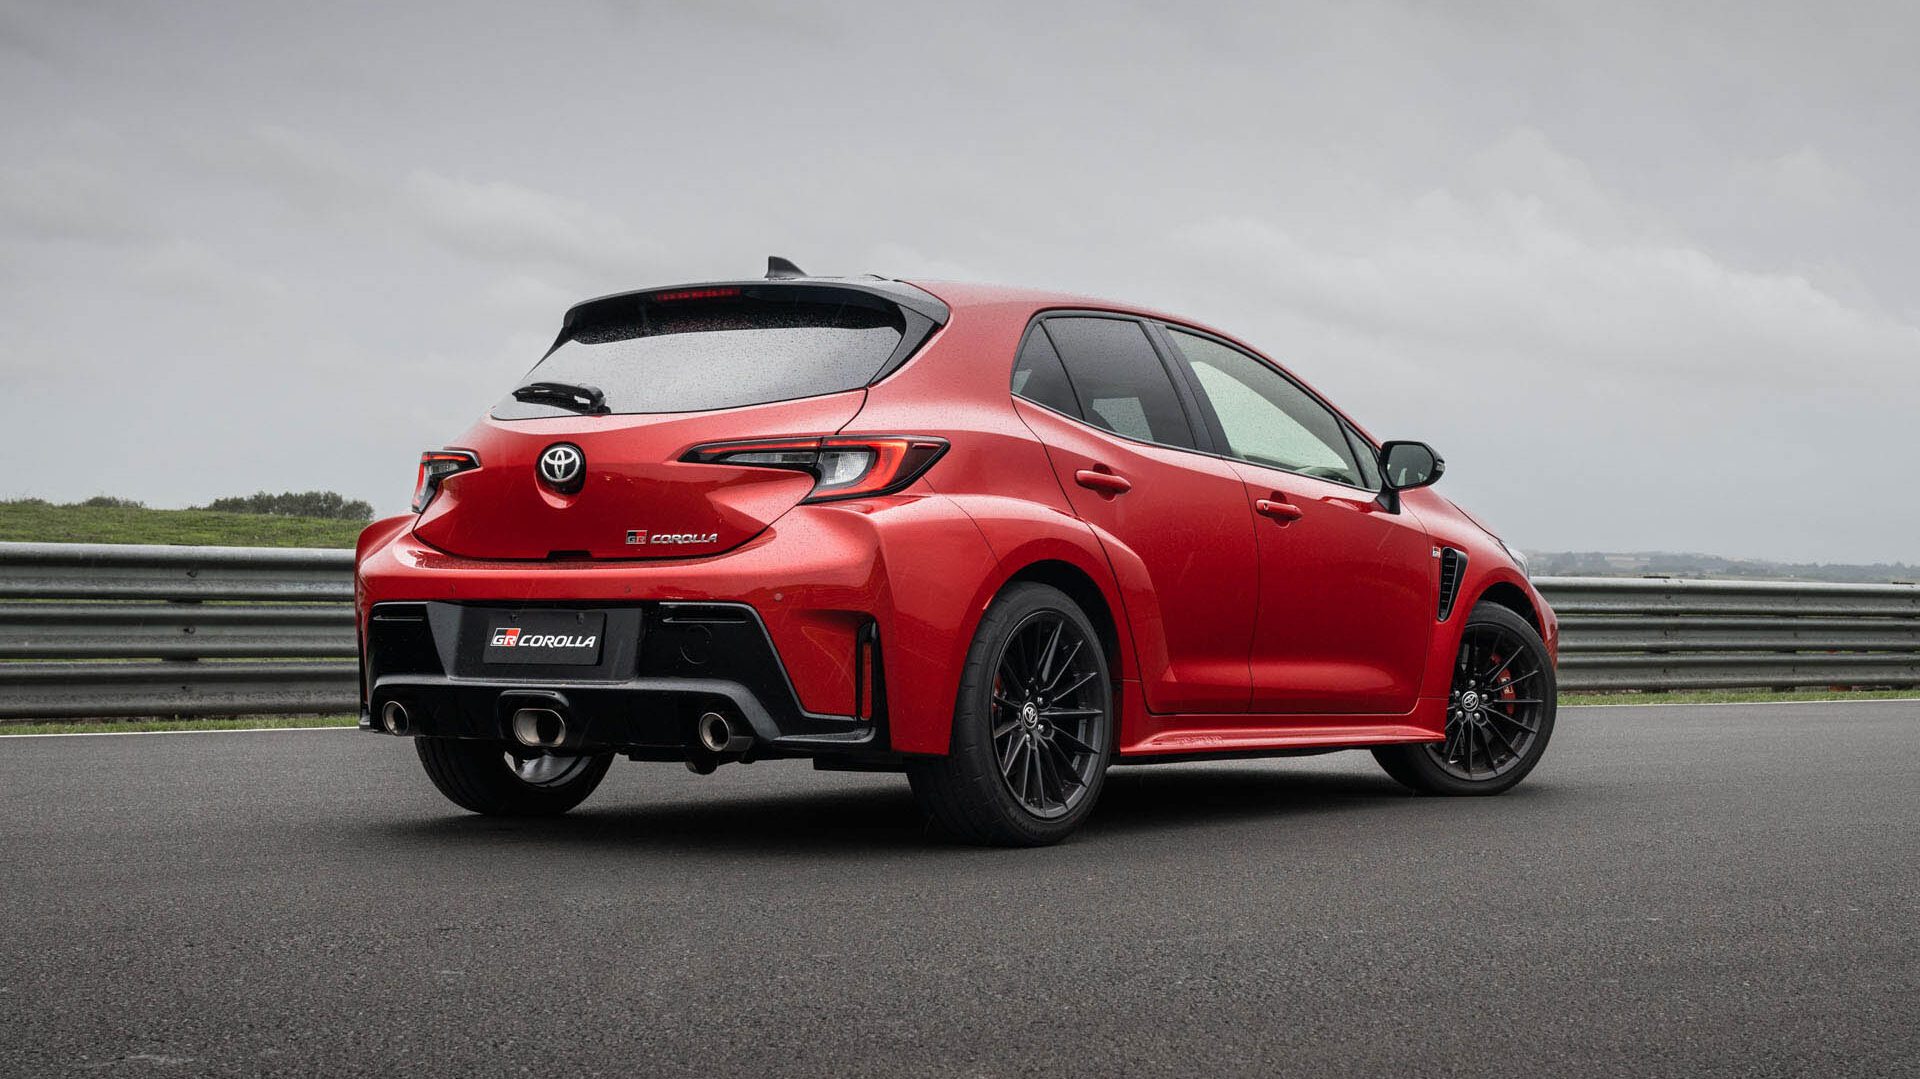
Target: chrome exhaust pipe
(539, 728)
(719, 735)
(394, 718)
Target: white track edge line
(127, 734)
(1743, 704)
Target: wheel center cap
(1470, 701)
(1030, 714)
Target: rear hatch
(633, 384)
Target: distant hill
(1669, 564)
(106, 520)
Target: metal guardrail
(118, 630)
(1632, 633)
(100, 629)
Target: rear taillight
(437, 465)
(842, 466)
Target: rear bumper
(910, 573)
(662, 667)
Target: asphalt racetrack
(1682, 890)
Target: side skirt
(1260, 735)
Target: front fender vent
(1453, 569)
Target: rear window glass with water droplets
(711, 352)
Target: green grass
(1738, 696)
(39, 522)
(127, 726)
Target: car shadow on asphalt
(1136, 801)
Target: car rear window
(664, 353)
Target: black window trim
(1182, 392)
(1187, 390)
(1218, 435)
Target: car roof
(964, 294)
(934, 299)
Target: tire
(482, 777)
(1030, 745)
(1504, 732)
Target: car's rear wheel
(505, 780)
(1032, 726)
(1499, 712)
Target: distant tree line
(330, 505)
(1678, 564)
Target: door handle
(1104, 482)
(1278, 510)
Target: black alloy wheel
(1033, 725)
(1494, 710)
(507, 780)
(1049, 712)
(1500, 712)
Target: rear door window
(731, 347)
(1118, 379)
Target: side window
(1119, 379)
(1267, 419)
(1038, 376)
(1369, 460)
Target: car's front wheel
(1499, 712)
(504, 780)
(1032, 726)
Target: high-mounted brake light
(693, 294)
(437, 465)
(842, 466)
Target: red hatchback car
(996, 539)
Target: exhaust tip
(540, 728)
(394, 718)
(718, 734)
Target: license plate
(545, 637)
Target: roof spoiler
(782, 273)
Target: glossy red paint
(1180, 538)
(1247, 608)
(1346, 598)
(635, 482)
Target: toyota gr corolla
(995, 539)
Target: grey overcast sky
(1645, 273)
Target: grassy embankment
(1738, 696)
(41, 522)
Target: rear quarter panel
(996, 472)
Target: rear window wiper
(579, 398)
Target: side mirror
(1410, 464)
